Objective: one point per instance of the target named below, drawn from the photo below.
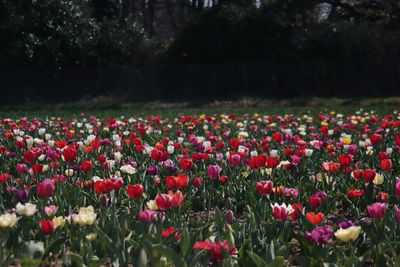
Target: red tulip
(186, 164)
(4, 177)
(86, 165)
(383, 155)
(383, 196)
(375, 139)
(397, 139)
(166, 233)
(163, 201)
(37, 168)
(54, 165)
(330, 167)
(273, 162)
(357, 174)
(197, 182)
(297, 209)
(102, 159)
(47, 227)
(257, 161)
(105, 186)
(353, 193)
(177, 198)
(369, 175)
(315, 202)
(264, 187)
(69, 154)
(135, 191)
(386, 164)
(223, 179)
(29, 156)
(344, 160)
(215, 248)
(61, 143)
(159, 155)
(180, 181)
(277, 137)
(281, 212)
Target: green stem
(2, 254)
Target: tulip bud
(104, 201)
(22, 195)
(228, 203)
(230, 216)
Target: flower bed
(219, 190)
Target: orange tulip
(315, 218)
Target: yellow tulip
(348, 234)
(8, 220)
(86, 216)
(378, 180)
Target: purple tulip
(152, 170)
(22, 195)
(322, 195)
(353, 150)
(133, 163)
(346, 224)
(321, 235)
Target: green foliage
(290, 30)
(62, 33)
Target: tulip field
(317, 188)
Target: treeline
(180, 49)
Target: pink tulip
(397, 210)
(397, 187)
(213, 171)
(46, 188)
(377, 210)
(147, 216)
(21, 168)
(50, 210)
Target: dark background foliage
(196, 49)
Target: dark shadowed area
(196, 50)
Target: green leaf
(277, 262)
(76, 260)
(201, 257)
(185, 242)
(219, 221)
(53, 247)
(258, 261)
(170, 254)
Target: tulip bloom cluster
(216, 189)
